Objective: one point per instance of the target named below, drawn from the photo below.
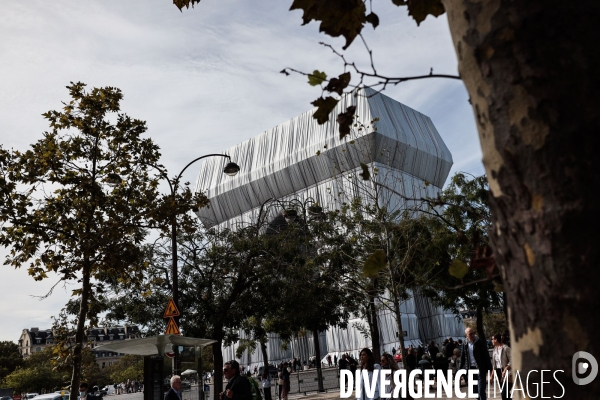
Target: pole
(200, 373)
(174, 269)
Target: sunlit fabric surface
(299, 160)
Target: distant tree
(10, 358)
(312, 295)
(129, 367)
(80, 201)
(38, 374)
(218, 280)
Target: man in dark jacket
(449, 348)
(84, 392)
(433, 350)
(174, 393)
(475, 356)
(238, 387)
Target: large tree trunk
(531, 70)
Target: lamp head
(231, 169)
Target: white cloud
(204, 80)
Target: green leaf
(374, 263)
(458, 269)
(316, 78)
(324, 107)
(365, 175)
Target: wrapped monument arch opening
(153, 349)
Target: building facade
(34, 340)
(300, 160)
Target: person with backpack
(254, 387)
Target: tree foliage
(129, 367)
(219, 276)
(39, 373)
(459, 221)
(79, 202)
(10, 358)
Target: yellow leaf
(375, 263)
(458, 269)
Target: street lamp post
(309, 208)
(230, 169)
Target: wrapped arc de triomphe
(300, 159)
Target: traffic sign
(172, 328)
(171, 310)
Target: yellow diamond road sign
(172, 328)
(171, 310)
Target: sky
(204, 80)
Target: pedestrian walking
(174, 393)
(265, 380)
(285, 378)
(367, 363)
(501, 360)
(238, 387)
(476, 357)
(388, 363)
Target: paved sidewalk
(336, 395)
(332, 394)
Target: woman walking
(285, 377)
(265, 380)
(454, 361)
(501, 362)
(387, 362)
(367, 363)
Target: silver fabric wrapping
(300, 160)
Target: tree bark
(374, 325)
(318, 360)
(218, 364)
(398, 315)
(479, 322)
(531, 70)
(263, 350)
(80, 332)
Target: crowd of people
(131, 386)
(454, 355)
